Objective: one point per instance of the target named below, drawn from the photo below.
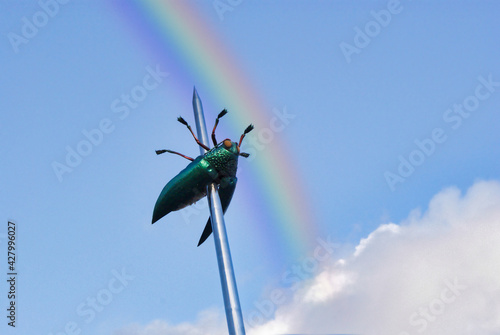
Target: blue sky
(390, 108)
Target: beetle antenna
(221, 114)
(181, 120)
(247, 130)
(244, 154)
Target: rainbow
(174, 29)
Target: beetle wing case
(189, 186)
(226, 191)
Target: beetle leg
(198, 141)
(181, 120)
(247, 130)
(221, 114)
(159, 152)
(177, 153)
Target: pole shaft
(228, 282)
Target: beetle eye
(228, 143)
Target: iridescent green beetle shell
(217, 165)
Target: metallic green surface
(218, 165)
(189, 186)
(226, 191)
(224, 160)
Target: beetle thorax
(223, 160)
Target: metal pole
(228, 282)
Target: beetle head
(231, 146)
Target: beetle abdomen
(189, 186)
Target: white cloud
(434, 273)
(209, 322)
